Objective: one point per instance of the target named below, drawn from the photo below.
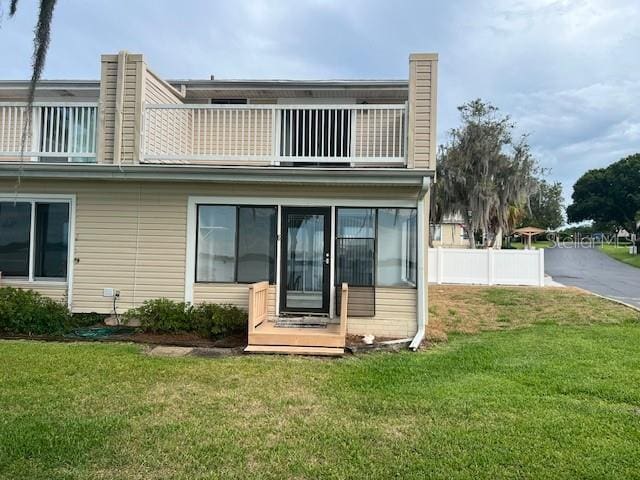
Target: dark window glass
(256, 244)
(15, 230)
(397, 247)
(229, 101)
(315, 132)
(52, 240)
(236, 244)
(355, 246)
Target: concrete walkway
(592, 270)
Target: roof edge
(219, 174)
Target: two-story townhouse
(132, 187)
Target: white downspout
(421, 273)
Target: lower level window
(377, 246)
(34, 240)
(397, 252)
(236, 244)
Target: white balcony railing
(279, 134)
(60, 132)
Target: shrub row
(25, 312)
(208, 320)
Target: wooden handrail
(344, 301)
(257, 304)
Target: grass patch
(536, 244)
(478, 309)
(621, 253)
(559, 399)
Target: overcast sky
(567, 71)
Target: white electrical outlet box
(107, 292)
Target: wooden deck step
(293, 350)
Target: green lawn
(621, 254)
(535, 244)
(548, 400)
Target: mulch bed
(178, 339)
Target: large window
(43, 257)
(236, 244)
(355, 246)
(397, 237)
(376, 246)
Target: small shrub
(213, 320)
(208, 320)
(87, 319)
(162, 316)
(29, 313)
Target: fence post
(490, 266)
(541, 267)
(439, 265)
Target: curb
(614, 300)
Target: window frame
(375, 245)
(237, 207)
(34, 199)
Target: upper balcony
(291, 135)
(131, 116)
(55, 133)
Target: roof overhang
(18, 89)
(379, 90)
(397, 177)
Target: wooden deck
(267, 333)
(266, 337)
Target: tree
(545, 207)
(42, 36)
(482, 172)
(609, 195)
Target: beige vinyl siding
(54, 290)
(395, 315)
(233, 293)
(126, 85)
(132, 236)
(451, 236)
(107, 108)
(422, 110)
(158, 91)
(130, 109)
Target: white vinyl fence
(486, 267)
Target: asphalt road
(592, 270)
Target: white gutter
(421, 274)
